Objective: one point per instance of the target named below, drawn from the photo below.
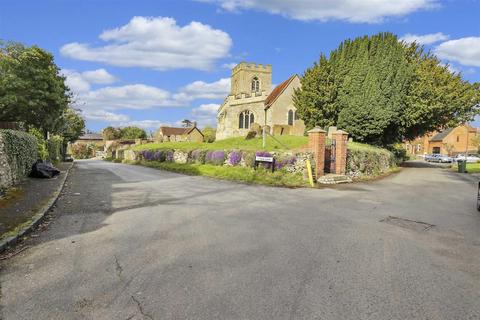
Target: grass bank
(471, 167)
(278, 178)
(284, 143)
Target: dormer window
(255, 84)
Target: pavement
(129, 242)
(26, 199)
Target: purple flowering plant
(215, 157)
(169, 155)
(234, 158)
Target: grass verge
(471, 167)
(278, 178)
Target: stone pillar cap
(316, 130)
(339, 132)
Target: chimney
(194, 124)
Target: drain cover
(408, 224)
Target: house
(253, 104)
(179, 134)
(450, 141)
(91, 138)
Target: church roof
(278, 91)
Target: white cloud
(230, 65)
(100, 76)
(206, 115)
(204, 90)
(358, 11)
(144, 124)
(424, 39)
(465, 51)
(156, 42)
(80, 82)
(135, 96)
(102, 115)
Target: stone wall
(292, 162)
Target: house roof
(172, 131)
(278, 91)
(91, 136)
(441, 135)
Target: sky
(152, 63)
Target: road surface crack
(140, 309)
(118, 267)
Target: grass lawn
(471, 167)
(284, 143)
(243, 174)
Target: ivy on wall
(21, 151)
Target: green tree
(132, 132)
(381, 90)
(71, 125)
(111, 133)
(209, 134)
(32, 90)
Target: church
(252, 104)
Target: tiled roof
(278, 91)
(171, 131)
(91, 136)
(441, 135)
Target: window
(245, 119)
(296, 115)
(255, 84)
(290, 117)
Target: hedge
(18, 152)
(369, 161)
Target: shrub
(20, 151)
(169, 155)
(198, 156)
(159, 156)
(54, 147)
(249, 158)
(369, 161)
(234, 158)
(215, 157)
(147, 155)
(42, 150)
(82, 150)
(284, 162)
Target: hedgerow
(21, 152)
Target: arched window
(290, 117)
(245, 119)
(240, 121)
(255, 84)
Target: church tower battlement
(251, 78)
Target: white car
(471, 158)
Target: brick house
(179, 134)
(450, 141)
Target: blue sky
(148, 63)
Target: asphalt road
(134, 243)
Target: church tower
(251, 78)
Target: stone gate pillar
(341, 139)
(316, 143)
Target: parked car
(443, 158)
(432, 157)
(471, 158)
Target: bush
(198, 156)
(20, 150)
(54, 148)
(42, 150)
(285, 161)
(234, 158)
(369, 161)
(82, 150)
(215, 157)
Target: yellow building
(179, 134)
(450, 141)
